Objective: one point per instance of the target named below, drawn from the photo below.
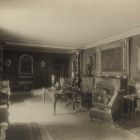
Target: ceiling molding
(38, 47)
(30, 44)
(47, 51)
(70, 48)
(124, 34)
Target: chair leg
(8, 103)
(90, 115)
(135, 114)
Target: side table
(131, 98)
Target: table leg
(122, 105)
(8, 103)
(80, 101)
(132, 109)
(73, 101)
(44, 97)
(55, 100)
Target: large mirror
(25, 65)
(90, 64)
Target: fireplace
(107, 98)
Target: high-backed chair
(4, 93)
(107, 98)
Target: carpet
(33, 120)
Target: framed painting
(113, 59)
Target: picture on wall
(113, 59)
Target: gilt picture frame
(113, 58)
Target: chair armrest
(101, 105)
(97, 90)
(122, 92)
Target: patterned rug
(33, 120)
(34, 131)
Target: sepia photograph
(69, 70)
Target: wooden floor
(32, 120)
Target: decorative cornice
(40, 47)
(69, 48)
(121, 35)
(30, 44)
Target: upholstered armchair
(106, 99)
(4, 93)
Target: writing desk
(60, 94)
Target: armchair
(106, 99)
(4, 93)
